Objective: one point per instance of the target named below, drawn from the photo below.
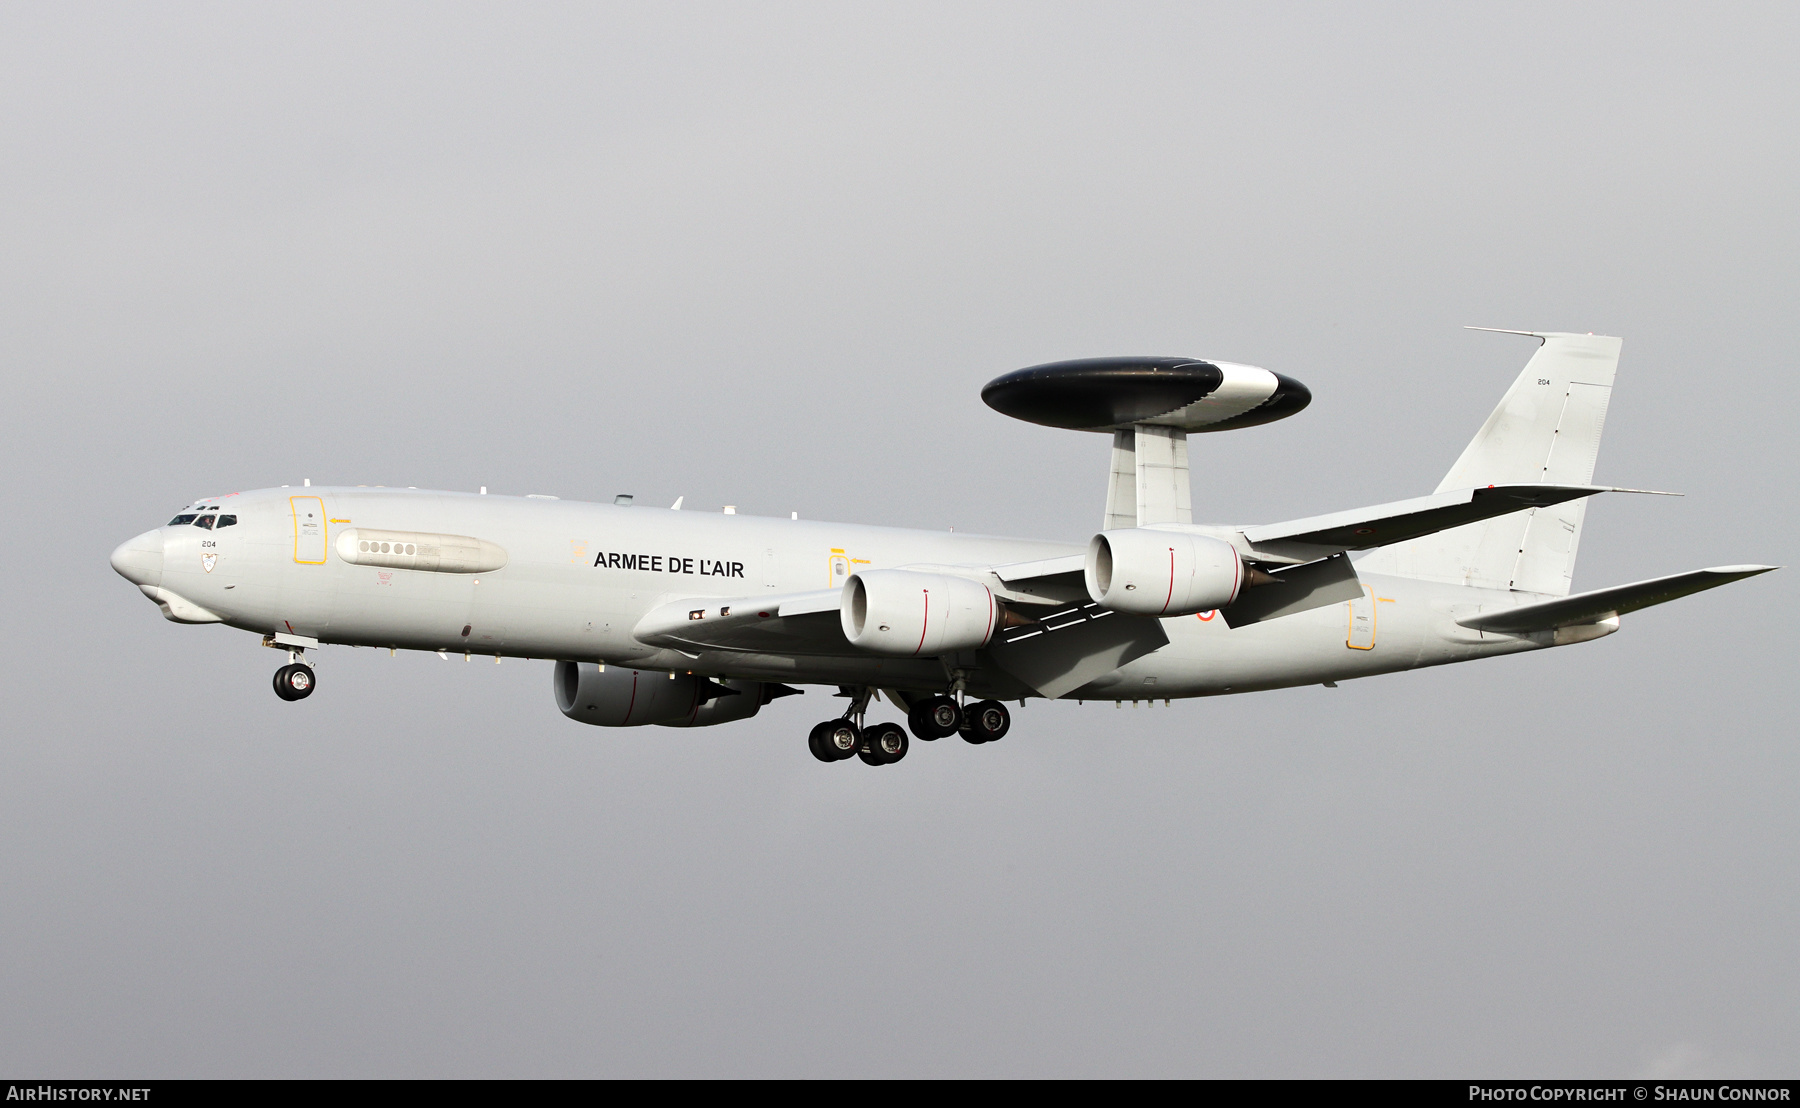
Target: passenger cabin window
(206, 522)
(181, 520)
(227, 521)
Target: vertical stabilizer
(1545, 431)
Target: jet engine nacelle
(909, 614)
(619, 696)
(741, 701)
(1162, 573)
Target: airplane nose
(140, 560)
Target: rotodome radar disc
(1106, 394)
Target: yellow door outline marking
(324, 530)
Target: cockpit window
(206, 522)
(180, 520)
(227, 521)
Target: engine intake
(908, 614)
(1162, 573)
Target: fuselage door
(309, 529)
(1361, 633)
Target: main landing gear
(930, 719)
(877, 745)
(985, 721)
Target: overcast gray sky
(767, 255)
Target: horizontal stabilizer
(1601, 604)
(1382, 524)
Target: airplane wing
(1382, 524)
(1601, 604)
(1066, 645)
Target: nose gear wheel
(294, 682)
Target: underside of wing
(797, 623)
(1073, 645)
(1046, 581)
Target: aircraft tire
(815, 742)
(934, 718)
(839, 738)
(294, 682)
(986, 721)
(884, 744)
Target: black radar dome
(1106, 394)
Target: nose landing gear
(294, 681)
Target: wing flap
(1070, 648)
(1601, 604)
(1297, 589)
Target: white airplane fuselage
(693, 619)
(566, 592)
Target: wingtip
(1743, 571)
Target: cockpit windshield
(202, 519)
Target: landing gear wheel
(836, 739)
(294, 682)
(883, 744)
(935, 717)
(815, 742)
(985, 721)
